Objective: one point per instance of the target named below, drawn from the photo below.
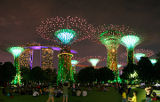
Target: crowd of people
(75, 90)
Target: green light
(139, 55)
(74, 62)
(130, 41)
(134, 75)
(94, 61)
(65, 35)
(153, 61)
(16, 51)
(65, 71)
(119, 65)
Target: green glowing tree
(111, 39)
(130, 42)
(65, 31)
(16, 51)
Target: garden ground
(93, 96)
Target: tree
(87, 75)
(145, 70)
(157, 70)
(51, 75)
(104, 74)
(7, 72)
(25, 73)
(37, 74)
(129, 72)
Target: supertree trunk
(130, 56)
(17, 79)
(65, 71)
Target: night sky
(19, 19)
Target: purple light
(73, 51)
(36, 47)
(56, 48)
(44, 47)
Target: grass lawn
(93, 96)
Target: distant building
(25, 58)
(47, 58)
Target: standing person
(134, 98)
(148, 94)
(124, 96)
(65, 91)
(51, 94)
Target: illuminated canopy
(74, 62)
(130, 41)
(94, 61)
(16, 51)
(119, 65)
(65, 35)
(139, 55)
(153, 61)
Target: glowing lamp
(94, 61)
(139, 55)
(65, 35)
(153, 61)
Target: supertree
(110, 36)
(130, 42)
(65, 31)
(16, 51)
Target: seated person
(35, 93)
(78, 93)
(84, 93)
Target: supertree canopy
(139, 55)
(70, 29)
(16, 51)
(94, 61)
(153, 61)
(110, 36)
(130, 42)
(65, 31)
(65, 35)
